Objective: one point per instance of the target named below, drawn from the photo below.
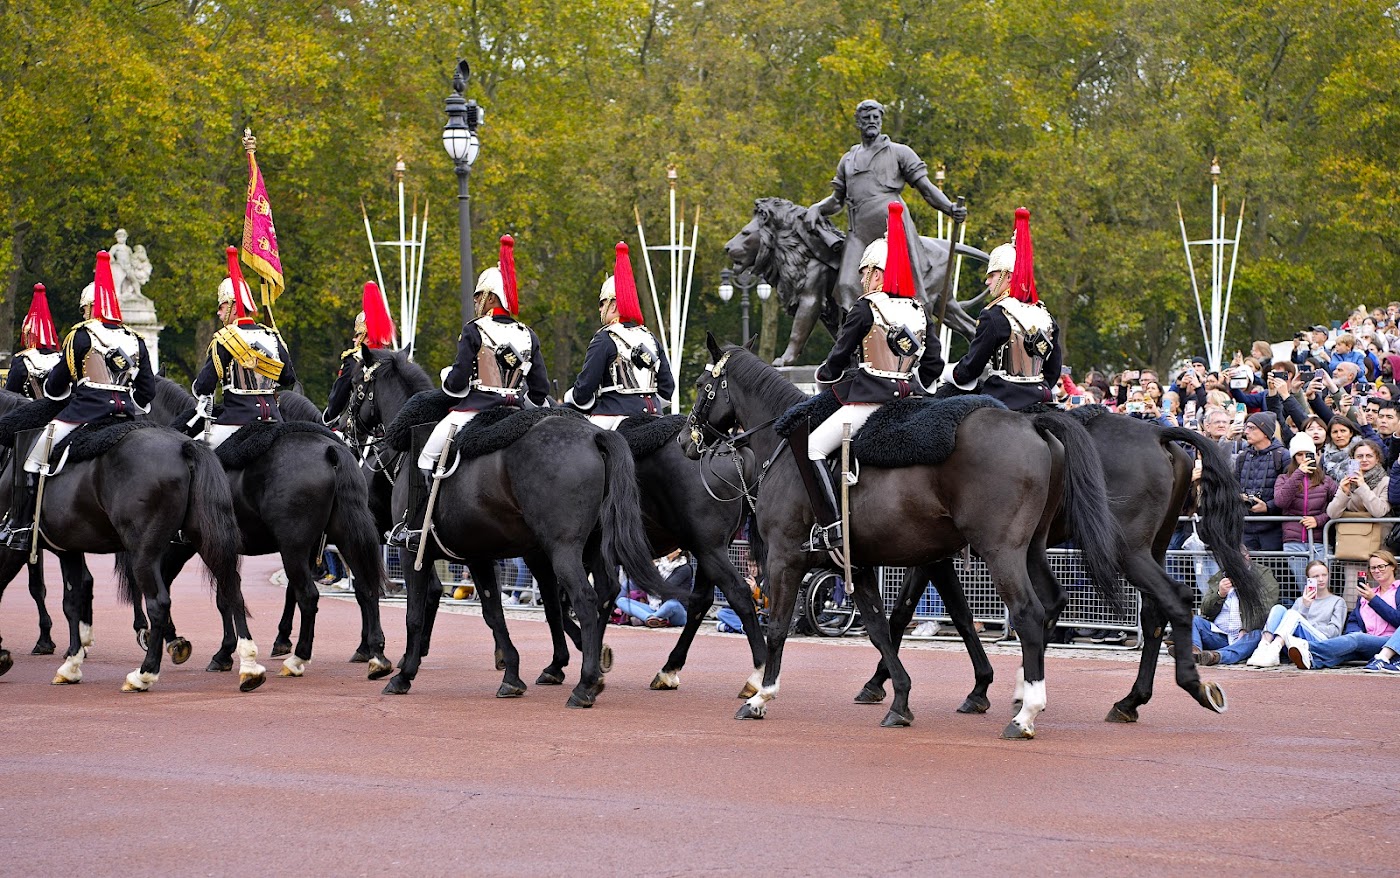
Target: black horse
(151, 489)
(306, 488)
(38, 590)
(1148, 476)
(997, 492)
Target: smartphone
(1310, 591)
(1076, 399)
(1135, 408)
(1361, 401)
(1282, 376)
(1361, 578)
(1306, 376)
(1065, 370)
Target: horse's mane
(172, 396)
(766, 383)
(296, 407)
(783, 253)
(410, 373)
(10, 400)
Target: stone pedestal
(804, 378)
(139, 314)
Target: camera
(1301, 335)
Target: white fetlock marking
(1018, 693)
(756, 679)
(1031, 705)
(72, 668)
(141, 680)
(378, 664)
(294, 665)
(248, 658)
(85, 634)
(671, 679)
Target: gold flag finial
(250, 143)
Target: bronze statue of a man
(870, 175)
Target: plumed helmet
(623, 287)
(104, 298)
(360, 328)
(491, 283)
(608, 290)
(509, 284)
(38, 329)
(1003, 258)
(244, 308)
(226, 291)
(378, 325)
(1023, 274)
(87, 296)
(899, 272)
(874, 255)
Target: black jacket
(602, 350)
(463, 369)
(851, 384)
(993, 332)
(88, 403)
(340, 390)
(18, 380)
(243, 408)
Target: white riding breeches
(428, 459)
(35, 461)
(607, 422)
(220, 432)
(826, 438)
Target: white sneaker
(1299, 653)
(1266, 655)
(926, 629)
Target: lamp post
(728, 280)
(460, 141)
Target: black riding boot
(20, 522)
(408, 532)
(826, 531)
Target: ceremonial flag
(259, 234)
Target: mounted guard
(887, 349)
(374, 329)
(498, 364)
(247, 359)
(625, 371)
(32, 364)
(103, 371)
(1015, 333)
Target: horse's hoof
(379, 667)
(748, 711)
(1213, 697)
(249, 682)
(1119, 714)
(60, 680)
(666, 681)
(500, 660)
(6, 661)
(867, 695)
(974, 704)
(606, 659)
(359, 658)
(580, 700)
(282, 647)
(180, 650)
(43, 647)
(749, 691)
(127, 687)
(397, 685)
(550, 678)
(510, 690)
(1014, 732)
(896, 720)
(143, 639)
(220, 664)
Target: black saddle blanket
(912, 431)
(254, 439)
(647, 434)
(495, 429)
(425, 407)
(30, 416)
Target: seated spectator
(1258, 468)
(1315, 617)
(1369, 626)
(727, 621)
(1222, 621)
(1303, 491)
(1342, 439)
(651, 611)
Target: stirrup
(16, 538)
(404, 537)
(824, 538)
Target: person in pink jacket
(1303, 491)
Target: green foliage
(1097, 115)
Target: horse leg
(873, 692)
(282, 643)
(784, 583)
(1013, 582)
(251, 675)
(145, 573)
(587, 603)
(79, 632)
(418, 584)
(1170, 601)
(506, 655)
(371, 648)
(171, 563)
(702, 597)
(301, 584)
(554, 615)
(10, 564)
(44, 645)
(866, 591)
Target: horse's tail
(351, 524)
(1221, 523)
(127, 590)
(625, 542)
(1091, 524)
(209, 514)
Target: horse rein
(699, 426)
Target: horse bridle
(369, 440)
(698, 425)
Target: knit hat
(1300, 444)
(1267, 423)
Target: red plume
(1023, 274)
(629, 309)
(508, 282)
(243, 308)
(899, 275)
(104, 291)
(38, 330)
(379, 326)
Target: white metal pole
(374, 254)
(1200, 313)
(1217, 349)
(418, 279)
(403, 243)
(674, 302)
(685, 309)
(1234, 260)
(651, 284)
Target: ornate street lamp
(460, 141)
(728, 280)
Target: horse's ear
(751, 343)
(713, 347)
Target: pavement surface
(323, 775)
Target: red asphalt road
(324, 775)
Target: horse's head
(363, 418)
(713, 415)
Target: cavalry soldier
(374, 329)
(1014, 333)
(887, 349)
(498, 364)
(248, 360)
(624, 369)
(32, 365)
(103, 370)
